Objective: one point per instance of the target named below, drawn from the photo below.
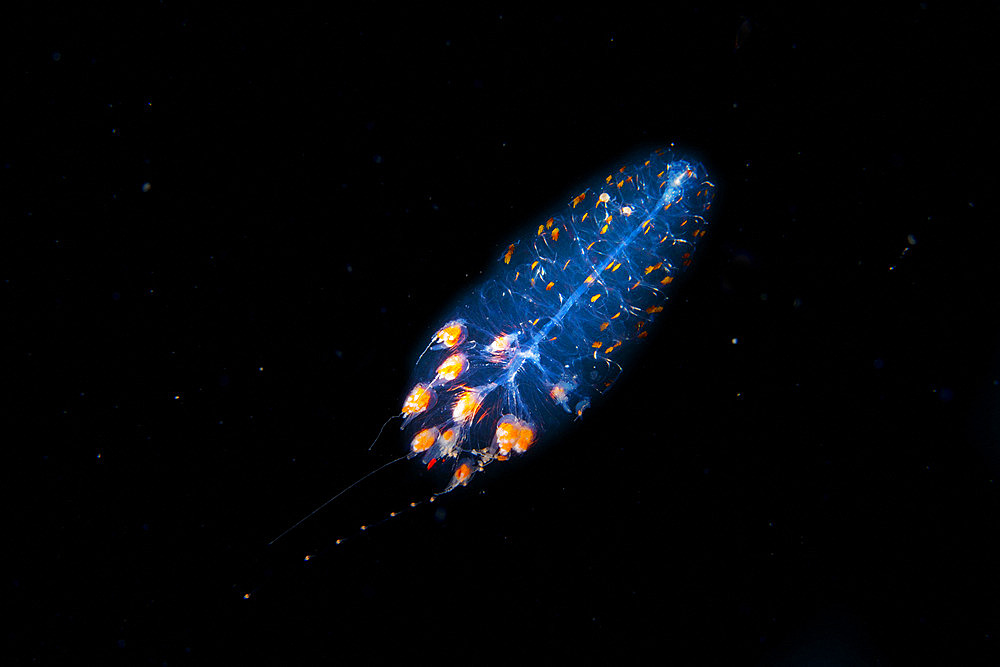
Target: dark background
(228, 232)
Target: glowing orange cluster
(424, 440)
(420, 398)
(452, 367)
(450, 334)
(466, 406)
(501, 343)
(462, 473)
(513, 434)
(560, 393)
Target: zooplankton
(532, 346)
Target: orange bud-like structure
(513, 435)
(452, 367)
(466, 406)
(424, 440)
(502, 343)
(420, 399)
(451, 334)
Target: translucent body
(543, 336)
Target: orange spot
(549, 223)
(611, 348)
(507, 255)
(513, 434)
(423, 440)
(448, 440)
(667, 280)
(616, 267)
(525, 439)
(506, 436)
(595, 298)
(566, 264)
(451, 334)
(430, 464)
(604, 228)
(466, 406)
(548, 287)
(597, 344)
(462, 473)
(503, 342)
(615, 316)
(605, 325)
(654, 267)
(579, 198)
(541, 229)
(643, 334)
(558, 393)
(419, 399)
(452, 367)
(555, 234)
(654, 309)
